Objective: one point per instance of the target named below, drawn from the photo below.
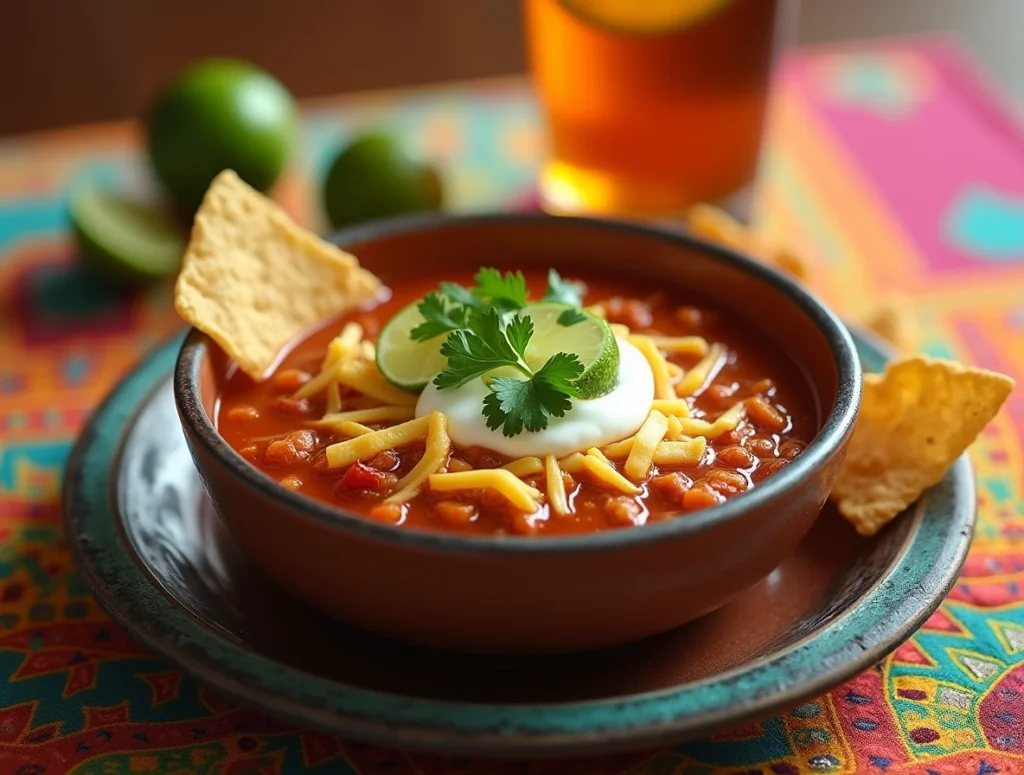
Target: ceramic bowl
(514, 594)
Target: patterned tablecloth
(892, 165)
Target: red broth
(270, 428)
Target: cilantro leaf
(439, 317)
(514, 404)
(519, 332)
(506, 292)
(558, 376)
(571, 317)
(473, 352)
(563, 291)
(461, 295)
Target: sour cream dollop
(592, 423)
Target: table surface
(891, 167)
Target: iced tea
(652, 105)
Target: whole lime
(373, 177)
(220, 114)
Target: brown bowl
(514, 594)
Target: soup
(739, 412)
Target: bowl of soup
(543, 435)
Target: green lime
(408, 364)
(123, 240)
(373, 177)
(220, 114)
(590, 339)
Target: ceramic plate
(149, 545)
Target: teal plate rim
(887, 614)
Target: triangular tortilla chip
(253, 280)
(916, 419)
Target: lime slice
(405, 363)
(590, 339)
(123, 240)
(411, 365)
(644, 17)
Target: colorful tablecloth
(893, 166)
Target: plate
(159, 561)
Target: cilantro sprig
(485, 332)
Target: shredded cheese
(619, 449)
(333, 398)
(681, 345)
(677, 407)
(572, 464)
(557, 498)
(439, 446)
(352, 429)
(641, 456)
(680, 453)
(675, 429)
(363, 447)
(675, 372)
(516, 491)
(377, 414)
(620, 330)
(706, 369)
(343, 346)
(525, 466)
(726, 422)
(658, 364)
(364, 377)
(604, 473)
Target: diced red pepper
(362, 477)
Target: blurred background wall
(71, 61)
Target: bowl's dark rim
(837, 426)
(905, 594)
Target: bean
(292, 482)
(672, 487)
(385, 461)
(242, 413)
(454, 513)
(791, 449)
(737, 457)
(764, 415)
(291, 380)
(456, 464)
(767, 468)
(727, 482)
(623, 511)
(299, 407)
(630, 312)
(762, 446)
(690, 317)
(291, 449)
(702, 496)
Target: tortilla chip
(253, 280)
(916, 419)
(893, 319)
(714, 224)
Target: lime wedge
(405, 363)
(590, 339)
(123, 240)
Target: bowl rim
(838, 425)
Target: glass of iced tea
(652, 105)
